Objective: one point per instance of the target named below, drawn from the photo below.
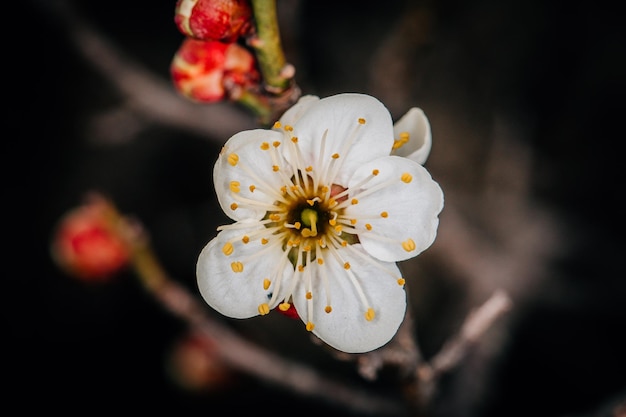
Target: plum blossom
(325, 204)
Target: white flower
(324, 208)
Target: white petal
(291, 116)
(412, 208)
(355, 143)
(416, 124)
(239, 294)
(254, 167)
(345, 328)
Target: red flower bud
(215, 20)
(201, 70)
(85, 246)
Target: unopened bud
(215, 20)
(86, 247)
(201, 70)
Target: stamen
(264, 309)
(233, 158)
(408, 245)
(370, 314)
(310, 326)
(234, 186)
(237, 266)
(406, 177)
(284, 306)
(266, 283)
(228, 249)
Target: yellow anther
(233, 158)
(406, 177)
(404, 136)
(310, 202)
(320, 261)
(408, 245)
(300, 268)
(277, 125)
(368, 226)
(353, 221)
(297, 225)
(265, 146)
(325, 188)
(338, 228)
(346, 265)
(288, 128)
(293, 187)
(344, 243)
(237, 266)
(309, 168)
(332, 222)
(309, 295)
(332, 202)
(401, 281)
(283, 189)
(275, 217)
(234, 186)
(397, 144)
(276, 144)
(335, 156)
(310, 326)
(264, 309)
(284, 306)
(266, 283)
(328, 309)
(322, 242)
(245, 239)
(384, 214)
(354, 201)
(306, 232)
(264, 241)
(234, 206)
(252, 188)
(307, 248)
(370, 314)
(294, 139)
(228, 249)
(375, 172)
(361, 121)
(275, 168)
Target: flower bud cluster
(211, 64)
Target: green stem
(268, 46)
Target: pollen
(266, 283)
(368, 226)
(275, 168)
(408, 245)
(361, 121)
(233, 158)
(328, 309)
(375, 172)
(309, 168)
(401, 281)
(234, 186)
(228, 249)
(294, 139)
(353, 221)
(384, 214)
(309, 295)
(300, 268)
(264, 241)
(370, 314)
(264, 309)
(276, 144)
(245, 239)
(320, 261)
(284, 306)
(406, 177)
(335, 156)
(277, 125)
(234, 206)
(237, 266)
(288, 128)
(310, 326)
(265, 146)
(252, 188)
(354, 201)
(346, 265)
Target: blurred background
(524, 103)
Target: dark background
(559, 69)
